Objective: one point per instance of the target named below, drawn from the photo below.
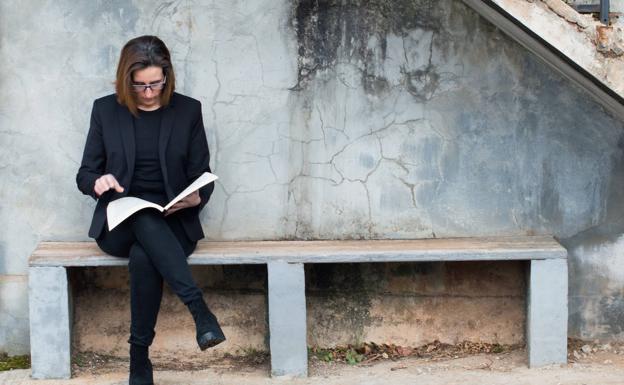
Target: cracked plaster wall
(327, 119)
(476, 137)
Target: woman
(149, 142)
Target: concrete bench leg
(547, 319)
(50, 336)
(287, 319)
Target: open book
(119, 210)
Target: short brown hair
(142, 52)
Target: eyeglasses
(151, 86)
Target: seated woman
(149, 142)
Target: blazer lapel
(166, 126)
(126, 127)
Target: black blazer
(110, 148)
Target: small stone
(607, 362)
(576, 355)
(586, 349)
(385, 355)
(606, 347)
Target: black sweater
(147, 180)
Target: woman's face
(148, 98)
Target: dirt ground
(588, 364)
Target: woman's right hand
(105, 183)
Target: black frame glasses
(152, 86)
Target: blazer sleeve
(199, 158)
(93, 157)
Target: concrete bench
(547, 288)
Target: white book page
(118, 210)
(200, 182)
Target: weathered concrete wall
(14, 314)
(236, 294)
(332, 119)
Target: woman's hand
(191, 200)
(105, 183)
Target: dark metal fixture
(602, 8)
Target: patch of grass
(351, 354)
(326, 355)
(352, 357)
(14, 362)
(497, 348)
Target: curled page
(118, 210)
(200, 182)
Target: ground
(588, 364)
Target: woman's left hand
(191, 200)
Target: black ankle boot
(141, 372)
(209, 332)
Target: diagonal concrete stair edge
(562, 44)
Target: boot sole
(209, 340)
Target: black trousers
(157, 247)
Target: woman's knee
(116, 249)
(116, 242)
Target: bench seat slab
(362, 251)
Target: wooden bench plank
(340, 251)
